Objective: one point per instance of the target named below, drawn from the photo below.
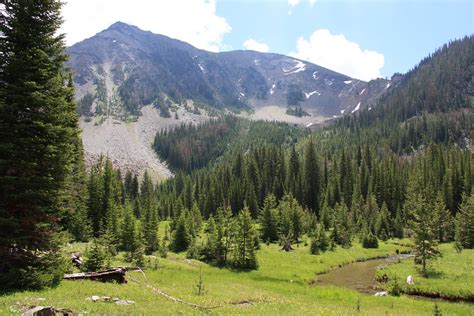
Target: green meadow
(283, 284)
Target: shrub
(370, 241)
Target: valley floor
(283, 284)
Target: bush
(394, 287)
(97, 258)
(370, 241)
(319, 243)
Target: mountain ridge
(137, 68)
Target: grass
(279, 286)
(451, 275)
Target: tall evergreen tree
(423, 227)
(465, 224)
(311, 178)
(38, 137)
(269, 219)
(244, 250)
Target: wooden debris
(117, 275)
(47, 311)
(76, 260)
(169, 297)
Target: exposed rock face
(122, 71)
(127, 67)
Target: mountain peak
(122, 26)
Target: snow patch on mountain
(356, 108)
(348, 81)
(363, 90)
(300, 66)
(272, 90)
(308, 95)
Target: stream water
(359, 276)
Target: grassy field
(280, 286)
(451, 275)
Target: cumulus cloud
(195, 22)
(293, 2)
(256, 45)
(339, 54)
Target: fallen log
(112, 275)
(47, 311)
(169, 297)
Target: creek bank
(358, 275)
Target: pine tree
(181, 238)
(269, 219)
(319, 242)
(383, 226)
(38, 137)
(224, 235)
(444, 222)
(77, 221)
(244, 251)
(422, 225)
(128, 232)
(465, 224)
(311, 178)
(96, 257)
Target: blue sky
(364, 39)
(403, 31)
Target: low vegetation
(282, 285)
(450, 276)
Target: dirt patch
(278, 113)
(243, 303)
(129, 145)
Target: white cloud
(339, 54)
(256, 45)
(195, 22)
(293, 2)
(312, 2)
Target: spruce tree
(128, 232)
(244, 250)
(319, 242)
(465, 224)
(269, 219)
(38, 137)
(311, 178)
(423, 227)
(181, 238)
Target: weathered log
(112, 275)
(47, 311)
(76, 260)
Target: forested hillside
(288, 202)
(375, 175)
(190, 147)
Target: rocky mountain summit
(122, 69)
(132, 83)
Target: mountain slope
(123, 68)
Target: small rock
(95, 298)
(124, 302)
(40, 299)
(115, 299)
(106, 298)
(384, 293)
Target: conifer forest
(254, 211)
